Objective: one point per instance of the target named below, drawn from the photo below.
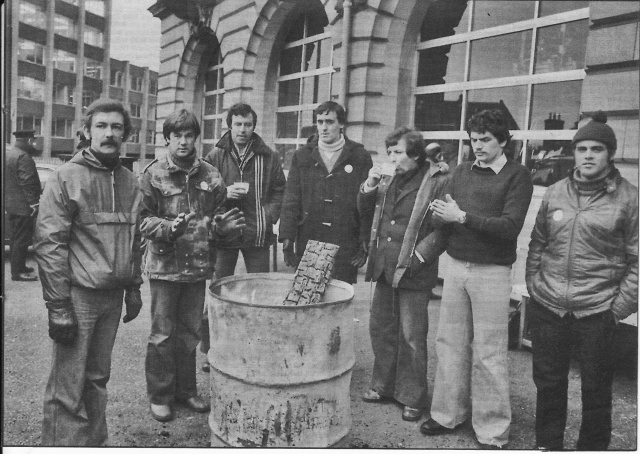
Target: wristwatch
(462, 218)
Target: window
(153, 86)
(95, 6)
(151, 136)
(64, 26)
(116, 78)
(93, 68)
(30, 88)
(27, 122)
(93, 36)
(134, 137)
(135, 110)
(73, 2)
(151, 113)
(213, 113)
(61, 127)
(304, 80)
(62, 94)
(33, 15)
(64, 61)
(88, 97)
(526, 58)
(136, 83)
(30, 51)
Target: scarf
(588, 187)
(330, 152)
(109, 160)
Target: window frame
(220, 115)
(530, 80)
(37, 46)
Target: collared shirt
(496, 165)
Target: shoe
(492, 447)
(196, 403)
(373, 396)
(436, 295)
(411, 414)
(161, 412)
(24, 277)
(431, 427)
(27, 269)
(206, 367)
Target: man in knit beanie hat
(582, 277)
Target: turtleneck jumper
(496, 207)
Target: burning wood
(313, 273)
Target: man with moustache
(87, 246)
(22, 194)
(182, 212)
(582, 278)
(399, 322)
(483, 212)
(320, 195)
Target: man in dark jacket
(87, 245)
(582, 277)
(399, 322)
(182, 214)
(320, 195)
(22, 196)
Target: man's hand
(447, 211)
(133, 302)
(360, 258)
(290, 258)
(230, 222)
(375, 174)
(235, 192)
(63, 324)
(180, 223)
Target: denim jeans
(472, 376)
(76, 394)
(170, 366)
(398, 327)
(551, 340)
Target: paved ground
(27, 361)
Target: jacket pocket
(161, 257)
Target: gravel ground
(27, 362)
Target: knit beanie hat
(598, 130)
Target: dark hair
(432, 150)
(241, 109)
(492, 121)
(394, 136)
(331, 106)
(180, 120)
(415, 146)
(107, 105)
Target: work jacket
(321, 205)
(87, 233)
(262, 169)
(583, 256)
(169, 190)
(408, 229)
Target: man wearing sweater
(486, 204)
(582, 275)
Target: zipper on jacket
(113, 192)
(188, 192)
(570, 254)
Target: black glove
(63, 324)
(360, 258)
(133, 302)
(230, 222)
(290, 257)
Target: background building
(57, 62)
(430, 63)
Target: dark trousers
(552, 338)
(21, 237)
(170, 366)
(398, 326)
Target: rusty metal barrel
(279, 375)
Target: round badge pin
(204, 185)
(558, 215)
(348, 168)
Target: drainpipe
(344, 66)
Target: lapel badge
(204, 186)
(348, 168)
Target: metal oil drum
(280, 375)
